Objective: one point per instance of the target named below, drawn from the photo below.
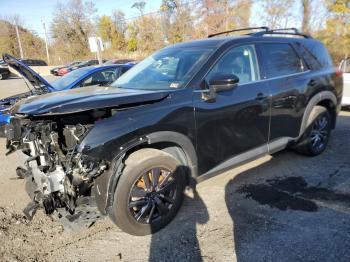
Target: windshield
(169, 68)
(69, 78)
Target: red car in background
(66, 70)
(62, 71)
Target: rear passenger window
(280, 60)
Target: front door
(237, 120)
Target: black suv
(184, 114)
(33, 62)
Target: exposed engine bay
(58, 178)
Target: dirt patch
(22, 240)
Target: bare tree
(118, 18)
(277, 13)
(140, 5)
(306, 15)
(71, 26)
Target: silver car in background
(345, 68)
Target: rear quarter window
(315, 55)
(280, 59)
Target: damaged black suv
(184, 114)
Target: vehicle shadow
(290, 208)
(293, 208)
(178, 240)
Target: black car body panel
(206, 129)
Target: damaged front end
(58, 177)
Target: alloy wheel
(319, 133)
(153, 195)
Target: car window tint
(101, 78)
(280, 60)
(317, 54)
(240, 61)
(124, 69)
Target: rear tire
(316, 136)
(149, 192)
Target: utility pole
(19, 40)
(46, 43)
(226, 14)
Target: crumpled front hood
(84, 99)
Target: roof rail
(264, 28)
(281, 31)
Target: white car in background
(345, 68)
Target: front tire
(149, 192)
(316, 136)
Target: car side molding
(269, 148)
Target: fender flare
(182, 141)
(107, 182)
(324, 95)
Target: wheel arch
(326, 99)
(174, 143)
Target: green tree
(71, 26)
(336, 34)
(109, 33)
(177, 21)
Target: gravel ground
(284, 207)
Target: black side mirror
(223, 82)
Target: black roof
(276, 35)
(219, 41)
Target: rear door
(287, 77)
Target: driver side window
(101, 78)
(240, 61)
